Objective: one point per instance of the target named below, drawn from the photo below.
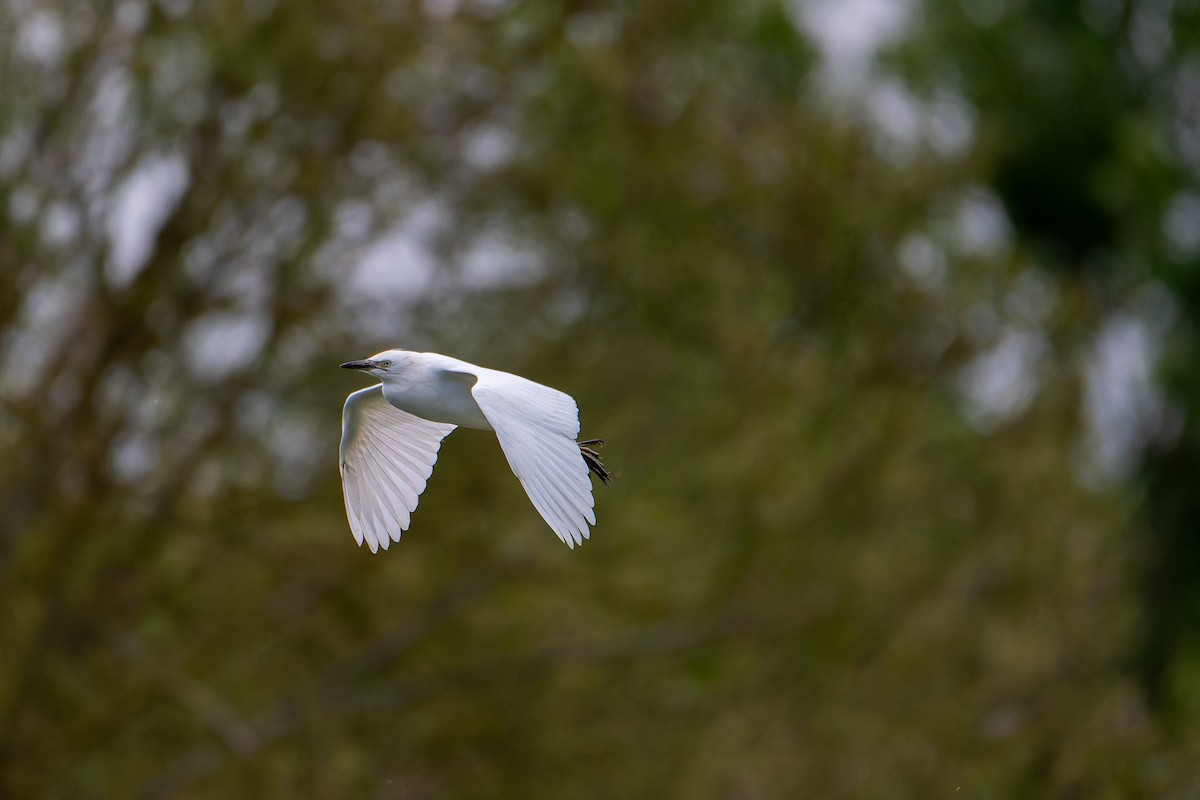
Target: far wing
(537, 427)
(387, 455)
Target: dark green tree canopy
(887, 313)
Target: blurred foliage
(1095, 152)
(832, 563)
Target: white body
(391, 434)
(438, 388)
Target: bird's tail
(593, 458)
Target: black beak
(365, 364)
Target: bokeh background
(888, 310)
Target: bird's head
(387, 362)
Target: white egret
(391, 433)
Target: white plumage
(391, 434)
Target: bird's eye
(385, 364)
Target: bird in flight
(391, 433)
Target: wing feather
(393, 476)
(390, 491)
(537, 427)
(550, 507)
(548, 500)
(350, 489)
(574, 505)
(410, 466)
(387, 456)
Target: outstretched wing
(387, 455)
(537, 427)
